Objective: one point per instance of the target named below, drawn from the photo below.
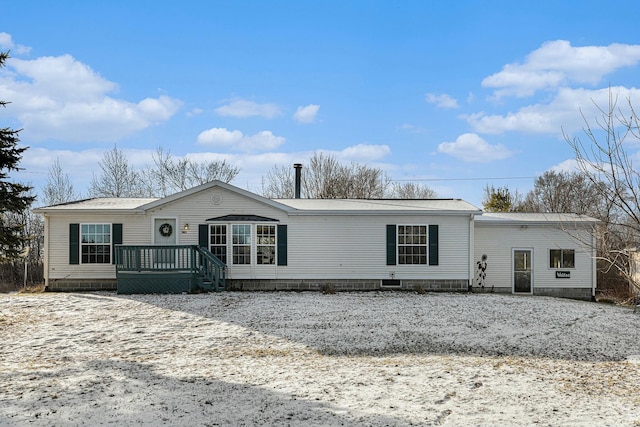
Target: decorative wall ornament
(166, 230)
(481, 273)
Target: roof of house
(293, 206)
(323, 206)
(101, 203)
(533, 218)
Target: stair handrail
(218, 274)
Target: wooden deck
(142, 269)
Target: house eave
(434, 212)
(554, 223)
(48, 211)
(213, 184)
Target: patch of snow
(377, 358)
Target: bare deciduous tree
(58, 188)
(411, 190)
(279, 183)
(199, 173)
(326, 178)
(567, 192)
(605, 161)
(169, 175)
(117, 178)
(31, 233)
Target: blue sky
(456, 95)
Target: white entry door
(165, 234)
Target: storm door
(522, 271)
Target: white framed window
(562, 258)
(412, 244)
(266, 244)
(95, 243)
(241, 243)
(218, 241)
(244, 244)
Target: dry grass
(14, 287)
(33, 289)
(328, 289)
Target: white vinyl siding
(497, 243)
(198, 207)
(135, 232)
(351, 247)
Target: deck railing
(173, 267)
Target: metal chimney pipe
(298, 168)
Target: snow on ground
(352, 359)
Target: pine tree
(14, 197)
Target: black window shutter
(282, 244)
(391, 244)
(433, 245)
(116, 239)
(203, 235)
(74, 243)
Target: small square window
(562, 258)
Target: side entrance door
(522, 271)
(164, 234)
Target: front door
(164, 234)
(522, 274)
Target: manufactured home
(218, 236)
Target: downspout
(46, 252)
(472, 249)
(594, 263)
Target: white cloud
(222, 137)
(306, 114)
(242, 108)
(564, 112)
(6, 43)
(557, 63)
(364, 153)
(470, 147)
(567, 166)
(62, 78)
(62, 98)
(442, 101)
